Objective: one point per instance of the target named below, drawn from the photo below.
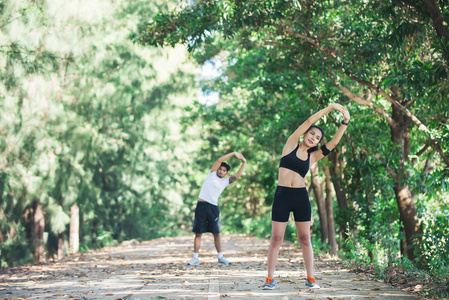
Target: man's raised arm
(240, 171)
(222, 159)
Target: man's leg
(197, 242)
(198, 224)
(196, 248)
(221, 259)
(217, 242)
(214, 221)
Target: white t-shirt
(212, 187)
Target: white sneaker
(193, 262)
(223, 261)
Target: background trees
(90, 129)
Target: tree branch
(333, 54)
(436, 145)
(439, 24)
(361, 101)
(389, 170)
(423, 150)
(404, 110)
(433, 142)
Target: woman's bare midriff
(290, 178)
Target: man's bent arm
(242, 167)
(220, 160)
(239, 172)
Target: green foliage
(435, 244)
(358, 249)
(104, 238)
(15, 252)
(258, 227)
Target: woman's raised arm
(292, 141)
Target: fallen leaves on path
(157, 270)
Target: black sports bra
(292, 162)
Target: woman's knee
(304, 239)
(277, 239)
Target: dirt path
(157, 270)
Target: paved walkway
(157, 270)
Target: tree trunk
(336, 171)
(409, 218)
(28, 220)
(330, 212)
(61, 245)
(317, 187)
(38, 232)
(74, 228)
(368, 221)
(400, 135)
(402, 243)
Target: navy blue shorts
(288, 199)
(206, 218)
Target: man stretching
(207, 212)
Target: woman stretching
(291, 193)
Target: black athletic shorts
(288, 199)
(206, 218)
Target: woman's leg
(303, 230)
(277, 237)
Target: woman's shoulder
(289, 147)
